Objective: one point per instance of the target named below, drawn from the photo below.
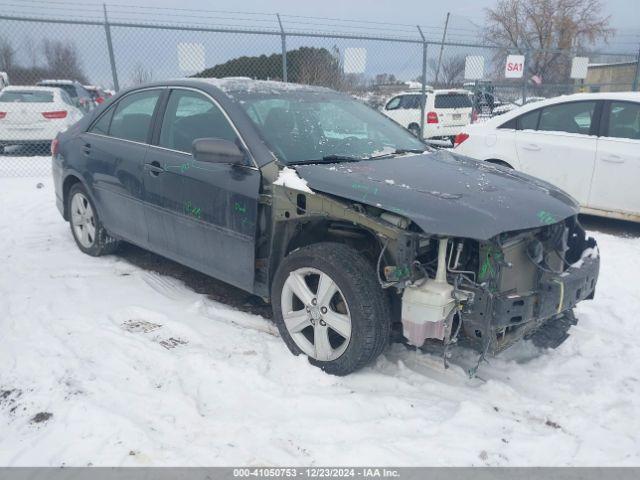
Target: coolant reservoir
(426, 308)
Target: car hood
(445, 193)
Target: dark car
(335, 214)
(79, 95)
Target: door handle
(86, 148)
(612, 159)
(531, 146)
(153, 168)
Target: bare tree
(451, 70)
(7, 55)
(141, 75)
(62, 60)
(543, 28)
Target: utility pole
(444, 36)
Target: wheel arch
(293, 235)
(69, 181)
(497, 161)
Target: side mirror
(217, 150)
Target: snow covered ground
(104, 363)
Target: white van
(446, 112)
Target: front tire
(86, 228)
(328, 305)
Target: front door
(615, 181)
(201, 214)
(557, 144)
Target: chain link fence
(91, 53)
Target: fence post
(524, 77)
(112, 60)
(423, 90)
(636, 77)
(284, 49)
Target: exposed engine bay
(494, 293)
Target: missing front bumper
(504, 319)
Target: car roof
(451, 90)
(245, 84)
(575, 97)
(19, 88)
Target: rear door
(115, 148)
(557, 143)
(201, 214)
(453, 108)
(617, 169)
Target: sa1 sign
(514, 67)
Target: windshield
(26, 96)
(303, 127)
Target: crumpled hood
(445, 193)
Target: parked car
(587, 144)
(34, 115)
(78, 94)
(446, 112)
(98, 95)
(335, 214)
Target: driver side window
(190, 115)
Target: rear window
(452, 100)
(26, 96)
(70, 89)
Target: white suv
(447, 112)
(588, 144)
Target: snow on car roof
(22, 88)
(500, 119)
(61, 82)
(245, 84)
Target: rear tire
(87, 229)
(358, 298)
(414, 129)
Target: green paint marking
(189, 209)
(546, 217)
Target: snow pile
(108, 364)
(289, 178)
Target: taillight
(2, 115)
(54, 147)
(474, 116)
(99, 100)
(461, 137)
(54, 115)
(432, 117)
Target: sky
(386, 18)
(624, 13)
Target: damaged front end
(493, 293)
